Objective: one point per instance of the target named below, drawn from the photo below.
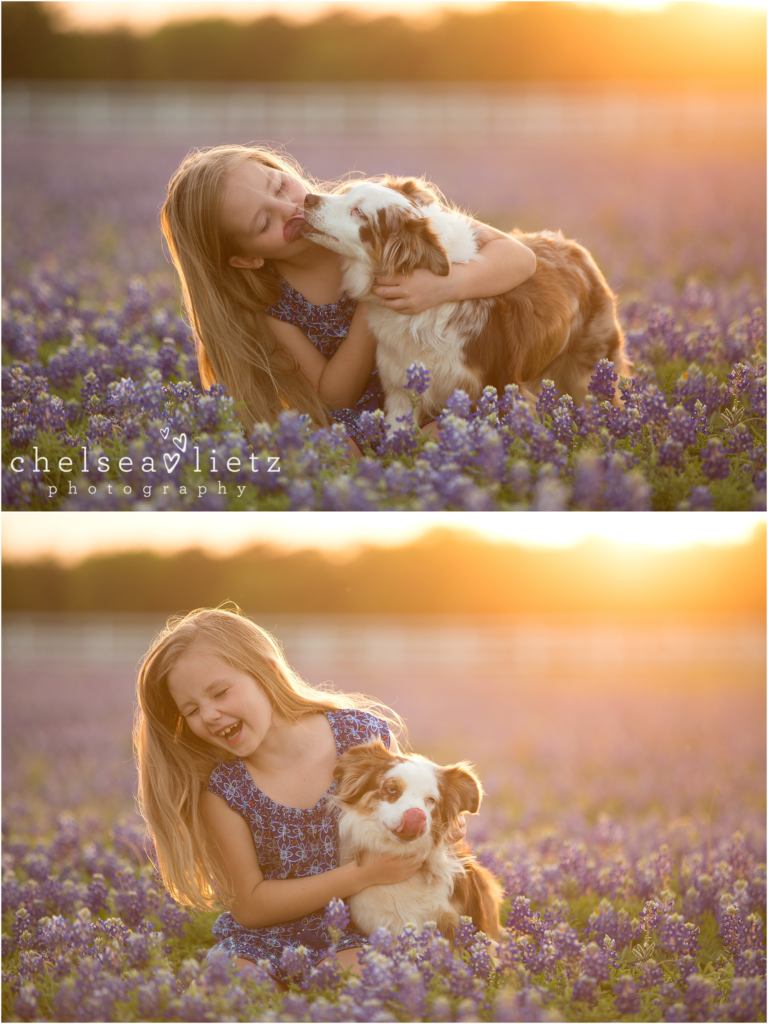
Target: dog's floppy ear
(358, 767)
(460, 789)
(414, 245)
(414, 188)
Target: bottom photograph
(384, 767)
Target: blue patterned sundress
(290, 843)
(326, 327)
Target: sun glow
(74, 536)
(141, 16)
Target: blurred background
(592, 671)
(637, 128)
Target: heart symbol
(164, 432)
(181, 442)
(171, 462)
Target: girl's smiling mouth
(232, 732)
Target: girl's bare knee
(348, 959)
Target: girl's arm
(502, 263)
(261, 902)
(342, 379)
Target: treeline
(443, 572)
(511, 42)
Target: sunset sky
(144, 16)
(72, 536)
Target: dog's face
(381, 225)
(404, 798)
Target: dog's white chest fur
(437, 337)
(423, 897)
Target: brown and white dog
(401, 804)
(554, 326)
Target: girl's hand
(415, 292)
(385, 869)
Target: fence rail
(277, 111)
(322, 644)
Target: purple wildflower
(603, 382)
(714, 462)
(417, 378)
(626, 996)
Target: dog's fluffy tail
(478, 895)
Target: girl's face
(222, 705)
(262, 212)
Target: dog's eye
(357, 212)
(430, 801)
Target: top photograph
(365, 256)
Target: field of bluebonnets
(102, 407)
(624, 817)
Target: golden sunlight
(74, 536)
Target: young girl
(266, 304)
(236, 756)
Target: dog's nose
(414, 822)
(312, 200)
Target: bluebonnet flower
(594, 964)
(746, 999)
(606, 920)
(603, 381)
(564, 426)
(547, 398)
(519, 916)
(417, 378)
(681, 426)
(295, 962)
(459, 405)
(591, 416)
(740, 379)
(25, 1005)
(714, 461)
(466, 933)
(584, 988)
(137, 303)
(20, 336)
(337, 918)
(488, 405)
(626, 996)
(750, 963)
(519, 477)
(731, 925)
(699, 996)
(679, 936)
(173, 917)
(699, 500)
(671, 454)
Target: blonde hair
(174, 765)
(225, 305)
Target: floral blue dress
(326, 327)
(290, 843)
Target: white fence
(458, 111)
(320, 645)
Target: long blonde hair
(225, 304)
(175, 765)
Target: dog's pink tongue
(414, 821)
(293, 228)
